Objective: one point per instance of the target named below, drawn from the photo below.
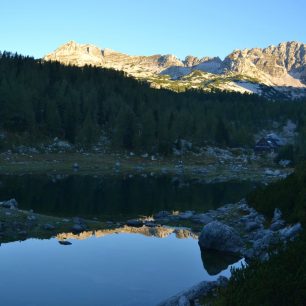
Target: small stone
(31, 218)
(64, 242)
(75, 166)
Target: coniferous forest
(42, 100)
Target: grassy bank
(208, 167)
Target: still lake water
(118, 269)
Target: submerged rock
(220, 237)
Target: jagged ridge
(280, 69)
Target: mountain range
(275, 71)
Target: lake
(116, 269)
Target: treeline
(42, 100)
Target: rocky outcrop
(282, 65)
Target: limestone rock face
(283, 65)
(80, 55)
(281, 68)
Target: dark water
(117, 269)
(113, 196)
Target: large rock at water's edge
(220, 237)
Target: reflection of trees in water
(88, 196)
(214, 262)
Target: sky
(146, 27)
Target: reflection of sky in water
(119, 269)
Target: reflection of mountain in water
(158, 231)
(213, 262)
(113, 196)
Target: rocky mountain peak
(281, 67)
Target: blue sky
(180, 27)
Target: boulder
(220, 237)
(11, 204)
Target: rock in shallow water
(64, 242)
(220, 237)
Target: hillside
(274, 72)
(42, 100)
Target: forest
(43, 100)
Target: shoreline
(209, 168)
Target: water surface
(118, 269)
(122, 269)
